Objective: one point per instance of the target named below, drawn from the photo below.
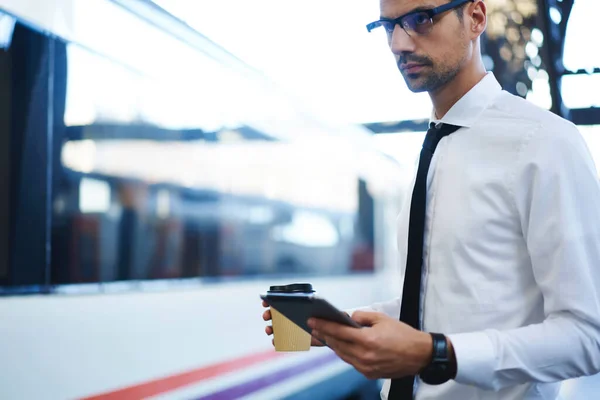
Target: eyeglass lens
(419, 23)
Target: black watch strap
(441, 368)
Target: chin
(415, 85)
(417, 89)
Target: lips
(411, 68)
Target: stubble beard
(430, 81)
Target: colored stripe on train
(173, 382)
(269, 379)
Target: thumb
(366, 318)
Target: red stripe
(166, 384)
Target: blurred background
(165, 162)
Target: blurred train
(157, 186)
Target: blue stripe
(270, 379)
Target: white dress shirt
(511, 268)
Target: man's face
(429, 61)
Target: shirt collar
(468, 109)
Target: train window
(245, 209)
(158, 161)
(161, 177)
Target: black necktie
(402, 389)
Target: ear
(477, 18)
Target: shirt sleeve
(557, 200)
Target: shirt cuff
(475, 359)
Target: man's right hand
(269, 329)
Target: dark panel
(57, 138)
(5, 111)
(32, 54)
(363, 257)
(552, 50)
(586, 116)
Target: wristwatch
(441, 368)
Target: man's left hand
(383, 348)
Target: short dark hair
(460, 12)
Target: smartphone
(298, 308)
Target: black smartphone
(298, 308)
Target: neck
(445, 97)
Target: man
(501, 238)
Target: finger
(350, 350)
(318, 338)
(264, 303)
(315, 342)
(366, 318)
(267, 315)
(338, 331)
(337, 344)
(348, 358)
(269, 330)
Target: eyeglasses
(419, 22)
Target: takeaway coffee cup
(287, 335)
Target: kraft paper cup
(287, 335)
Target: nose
(400, 42)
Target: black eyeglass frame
(432, 12)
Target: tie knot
(436, 133)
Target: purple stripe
(273, 378)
